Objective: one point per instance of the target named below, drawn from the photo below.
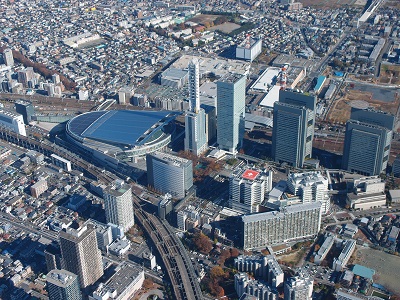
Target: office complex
(247, 189)
(266, 268)
(168, 173)
(290, 223)
(12, 121)
(25, 108)
(122, 285)
(106, 233)
(310, 187)
(118, 205)
(367, 193)
(231, 111)
(195, 118)
(298, 287)
(63, 285)
(367, 142)
(244, 284)
(81, 255)
(8, 57)
(165, 206)
(293, 128)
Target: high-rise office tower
(63, 285)
(168, 173)
(231, 96)
(298, 287)
(81, 255)
(247, 189)
(195, 118)
(118, 205)
(25, 108)
(293, 128)
(367, 141)
(8, 57)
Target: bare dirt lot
(226, 27)
(393, 3)
(328, 4)
(340, 110)
(202, 19)
(385, 265)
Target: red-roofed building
(250, 174)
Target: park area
(389, 73)
(385, 265)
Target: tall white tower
(118, 205)
(194, 86)
(195, 118)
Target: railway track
(176, 261)
(48, 149)
(180, 270)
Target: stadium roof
(119, 126)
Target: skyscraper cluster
(231, 112)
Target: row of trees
(41, 69)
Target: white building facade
(12, 121)
(310, 187)
(118, 205)
(298, 287)
(247, 189)
(168, 173)
(275, 227)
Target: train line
(179, 267)
(47, 149)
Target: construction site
(367, 95)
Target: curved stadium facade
(122, 134)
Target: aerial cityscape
(199, 150)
